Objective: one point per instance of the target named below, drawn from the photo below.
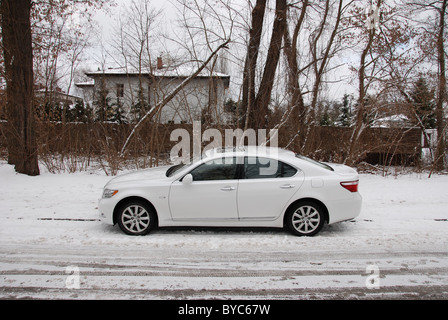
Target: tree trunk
(296, 107)
(441, 92)
(18, 55)
(250, 65)
(293, 68)
(263, 97)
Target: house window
(120, 90)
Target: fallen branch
(161, 104)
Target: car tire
(305, 218)
(136, 218)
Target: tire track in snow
(41, 273)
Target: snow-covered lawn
(51, 221)
(398, 212)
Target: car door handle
(287, 186)
(228, 188)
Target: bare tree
(249, 74)
(154, 110)
(370, 30)
(440, 8)
(441, 92)
(134, 44)
(433, 37)
(296, 106)
(204, 25)
(321, 56)
(404, 48)
(308, 63)
(60, 34)
(18, 56)
(263, 98)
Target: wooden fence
(389, 146)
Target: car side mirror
(188, 179)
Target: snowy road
(53, 247)
(46, 272)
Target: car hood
(147, 174)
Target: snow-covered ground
(53, 246)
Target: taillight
(351, 186)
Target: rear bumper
(342, 210)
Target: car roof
(261, 151)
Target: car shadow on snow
(333, 230)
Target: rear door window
(262, 168)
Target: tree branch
(173, 93)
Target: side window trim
(282, 169)
(235, 163)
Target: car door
(266, 187)
(210, 196)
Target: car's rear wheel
(136, 218)
(305, 218)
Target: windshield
(173, 169)
(320, 164)
(177, 167)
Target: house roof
(40, 92)
(397, 120)
(183, 70)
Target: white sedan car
(236, 187)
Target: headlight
(108, 193)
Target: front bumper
(106, 210)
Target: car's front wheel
(136, 218)
(305, 218)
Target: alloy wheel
(135, 219)
(306, 219)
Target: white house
(203, 96)
(55, 96)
